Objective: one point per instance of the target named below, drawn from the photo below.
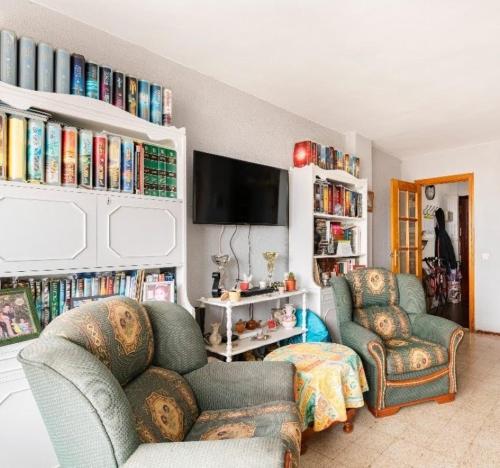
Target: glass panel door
(404, 228)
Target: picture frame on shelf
(159, 291)
(18, 318)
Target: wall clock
(430, 192)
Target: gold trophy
(270, 258)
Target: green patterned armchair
(409, 355)
(123, 384)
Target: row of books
(329, 267)
(160, 171)
(329, 234)
(325, 157)
(336, 199)
(54, 296)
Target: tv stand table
(228, 350)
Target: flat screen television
(231, 191)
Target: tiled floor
(464, 433)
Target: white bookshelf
(54, 231)
(301, 230)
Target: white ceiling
(413, 75)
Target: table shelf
(247, 344)
(232, 348)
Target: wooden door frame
(469, 178)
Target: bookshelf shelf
(339, 256)
(304, 260)
(339, 218)
(88, 113)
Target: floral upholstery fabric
(413, 354)
(163, 404)
(373, 286)
(268, 419)
(116, 330)
(388, 322)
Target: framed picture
(371, 197)
(18, 319)
(159, 291)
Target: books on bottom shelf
(55, 295)
(331, 267)
(335, 238)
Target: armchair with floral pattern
(408, 355)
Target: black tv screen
(230, 191)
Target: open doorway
(445, 250)
(447, 277)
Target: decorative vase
(240, 326)
(289, 322)
(215, 337)
(291, 284)
(288, 319)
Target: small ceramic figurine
(215, 338)
(288, 319)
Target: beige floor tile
(431, 459)
(354, 457)
(452, 444)
(385, 461)
(313, 459)
(403, 450)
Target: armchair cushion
(116, 330)
(388, 322)
(373, 286)
(413, 354)
(236, 453)
(251, 383)
(164, 405)
(279, 419)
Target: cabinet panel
(22, 424)
(45, 229)
(138, 231)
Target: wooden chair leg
(349, 424)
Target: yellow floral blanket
(330, 379)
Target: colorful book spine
(150, 170)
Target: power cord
(234, 253)
(249, 250)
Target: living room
(294, 190)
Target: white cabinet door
(24, 441)
(46, 229)
(138, 231)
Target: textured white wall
(484, 161)
(218, 119)
(385, 167)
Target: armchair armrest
(358, 338)
(436, 329)
(237, 453)
(240, 384)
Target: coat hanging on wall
(444, 247)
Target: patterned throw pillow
(116, 330)
(387, 322)
(373, 286)
(163, 404)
